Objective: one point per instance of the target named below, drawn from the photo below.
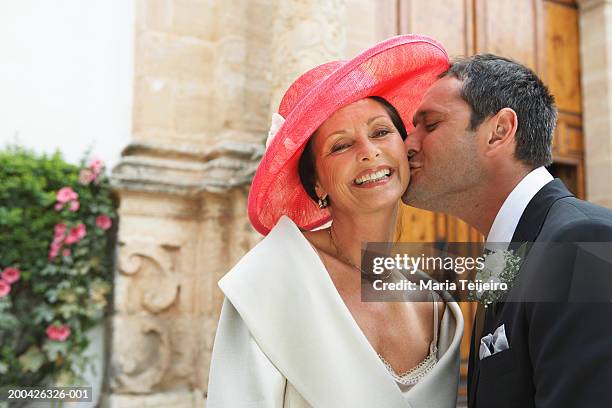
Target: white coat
(286, 339)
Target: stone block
(193, 108)
(154, 15)
(152, 104)
(599, 179)
(195, 18)
(232, 17)
(173, 57)
(174, 399)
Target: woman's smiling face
(360, 158)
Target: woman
(293, 331)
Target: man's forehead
(447, 89)
(440, 96)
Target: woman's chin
(382, 200)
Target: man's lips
(415, 166)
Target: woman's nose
(368, 151)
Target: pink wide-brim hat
(399, 69)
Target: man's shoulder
(571, 219)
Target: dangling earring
(323, 202)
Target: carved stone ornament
(155, 283)
(151, 167)
(141, 355)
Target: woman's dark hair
(306, 166)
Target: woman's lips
(373, 184)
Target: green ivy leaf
(8, 321)
(53, 349)
(28, 192)
(32, 359)
(68, 310)
(43, 313)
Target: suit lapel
(529, 227)
(527, 230)
(535, 213)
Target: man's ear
(503, 129)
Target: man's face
(444, 154)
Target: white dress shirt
(512, 209)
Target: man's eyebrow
(416, 116)
(425, 113)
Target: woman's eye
(339, 147)
(381, 132)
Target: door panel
(543, 34)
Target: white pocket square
(493, 343)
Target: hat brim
(399, 69)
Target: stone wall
(207, 76)
(596, 66)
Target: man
(482, 137)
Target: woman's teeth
(372, 177)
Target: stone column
(306, 34)
(596, 66)
(205, 75)
(182, 184)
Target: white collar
(512, 209)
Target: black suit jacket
(560, 352)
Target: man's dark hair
(491, 83)
(306, 166)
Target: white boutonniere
(497, 275)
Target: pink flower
(11, 275)
(66, 194)
(55, 246)
(104, 221)
(81, 230)
(96, 166)
(86, 176)
(71, 238)
(53, 251)
(5, 288)
(58, 333)
(58, 206)
(59, 230)
(76, 234)
(66, 252)
(74, 206)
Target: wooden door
(543, 34)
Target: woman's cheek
(406, 179)
(332, 179)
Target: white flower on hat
(277, 123)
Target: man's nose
(413, 144)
